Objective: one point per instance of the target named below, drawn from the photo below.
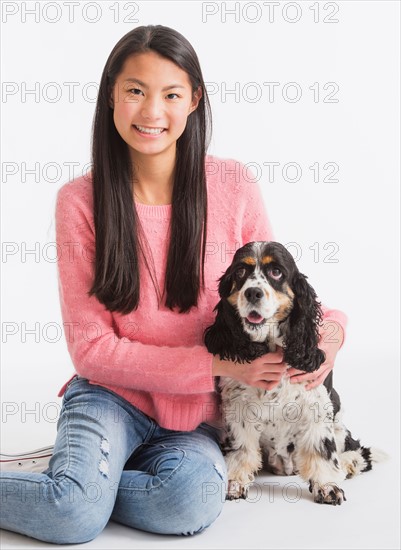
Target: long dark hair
(117, 226)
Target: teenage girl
(144, 238)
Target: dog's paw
(329, 493)
(236, 490)
(352, 462)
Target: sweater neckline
(154, 210)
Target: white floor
(276, 519)
(278, 516)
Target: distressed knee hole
(104, 463)
(104, 467)
(105, 446)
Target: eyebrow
(248, 261)
(169, 87)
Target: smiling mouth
(150, 131)
(254, 319)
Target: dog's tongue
(254, 317)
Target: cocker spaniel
(265, 302)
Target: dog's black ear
(226, 283)
(227, 339)
(217, 337)
(301, 342)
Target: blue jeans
(111, 461)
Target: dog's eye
(241, 272)
(275, 273)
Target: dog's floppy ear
(226, 283)
(218, 337)
(301, 343)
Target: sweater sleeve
(256, 226)
(96, 350)
(336, 316)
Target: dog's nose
(253, 294)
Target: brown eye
(275, 273)
(135, 90)
(241, 272)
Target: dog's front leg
(242, 453)
(242, 464)
(320, 465)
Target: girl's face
(152, 98)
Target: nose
(151, 108)
(253, 294)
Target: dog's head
(264, 296)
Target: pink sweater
(155, 358)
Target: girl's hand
(265, 372)
(330, 343)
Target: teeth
(149, 130)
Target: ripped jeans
(111, 461)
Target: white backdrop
(300, 84)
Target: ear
(226, 283)
(301, 345)
(217, 337)
(196, 96)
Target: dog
(266, 302)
